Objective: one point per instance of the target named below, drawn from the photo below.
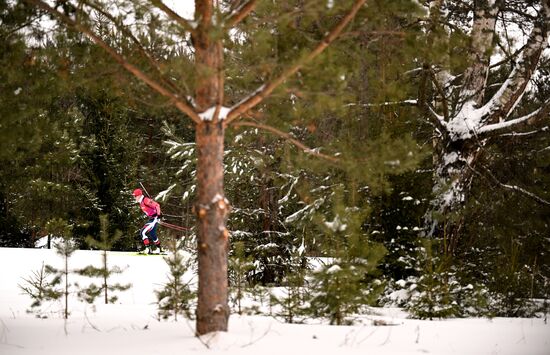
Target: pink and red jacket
(150, 207)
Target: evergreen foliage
(176, 297)
(78, 134)
(438, 292)
(105, 244)
(240, 267)
(291, 299)
(348, 281)
(65, 248)
(38, 287)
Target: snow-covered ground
(131, 327)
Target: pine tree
(176, 297)
(291, 299)
(65, 248)
(439, 293)
(106, 242)
(240, 267)
(348, 281)
(38, 287)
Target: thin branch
(240, 14)
(178, 103)
(133, 38)
(289, 138)
(525, 134)
(410, 102)
(174, 16)
(512, 187)
(265, 90)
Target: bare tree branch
(511, 187)
(174, 16)
(178, 103)
(289, 138)
(240, 13)
(265, 90)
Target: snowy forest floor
(131, 325)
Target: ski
(150, 254)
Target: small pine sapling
(343, 286)
(290, 300)
(90, 293)
(432, 295)
(239, 267)
(65, 248)
(39, 288)
(176, 298)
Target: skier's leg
(155, 239)
(153, 233)
(146, 228)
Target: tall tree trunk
(453, 176)
(212, 207)
(212, 210)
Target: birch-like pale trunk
(462, 136)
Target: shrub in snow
(38, 287)
(65, 248)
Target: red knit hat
(137, 192)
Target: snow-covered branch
(266, 89)
(530, 119)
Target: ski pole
(144, 189)
(173, 226)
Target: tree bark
(212, 207)
(212, 210)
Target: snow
(337, 225)
(208, 115)
(131, 327)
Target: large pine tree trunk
(212, 207)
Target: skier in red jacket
(148, 232)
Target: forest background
(361, 155)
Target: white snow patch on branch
(163, 194)
(336, 225)
(334, 269)
(208, 115)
